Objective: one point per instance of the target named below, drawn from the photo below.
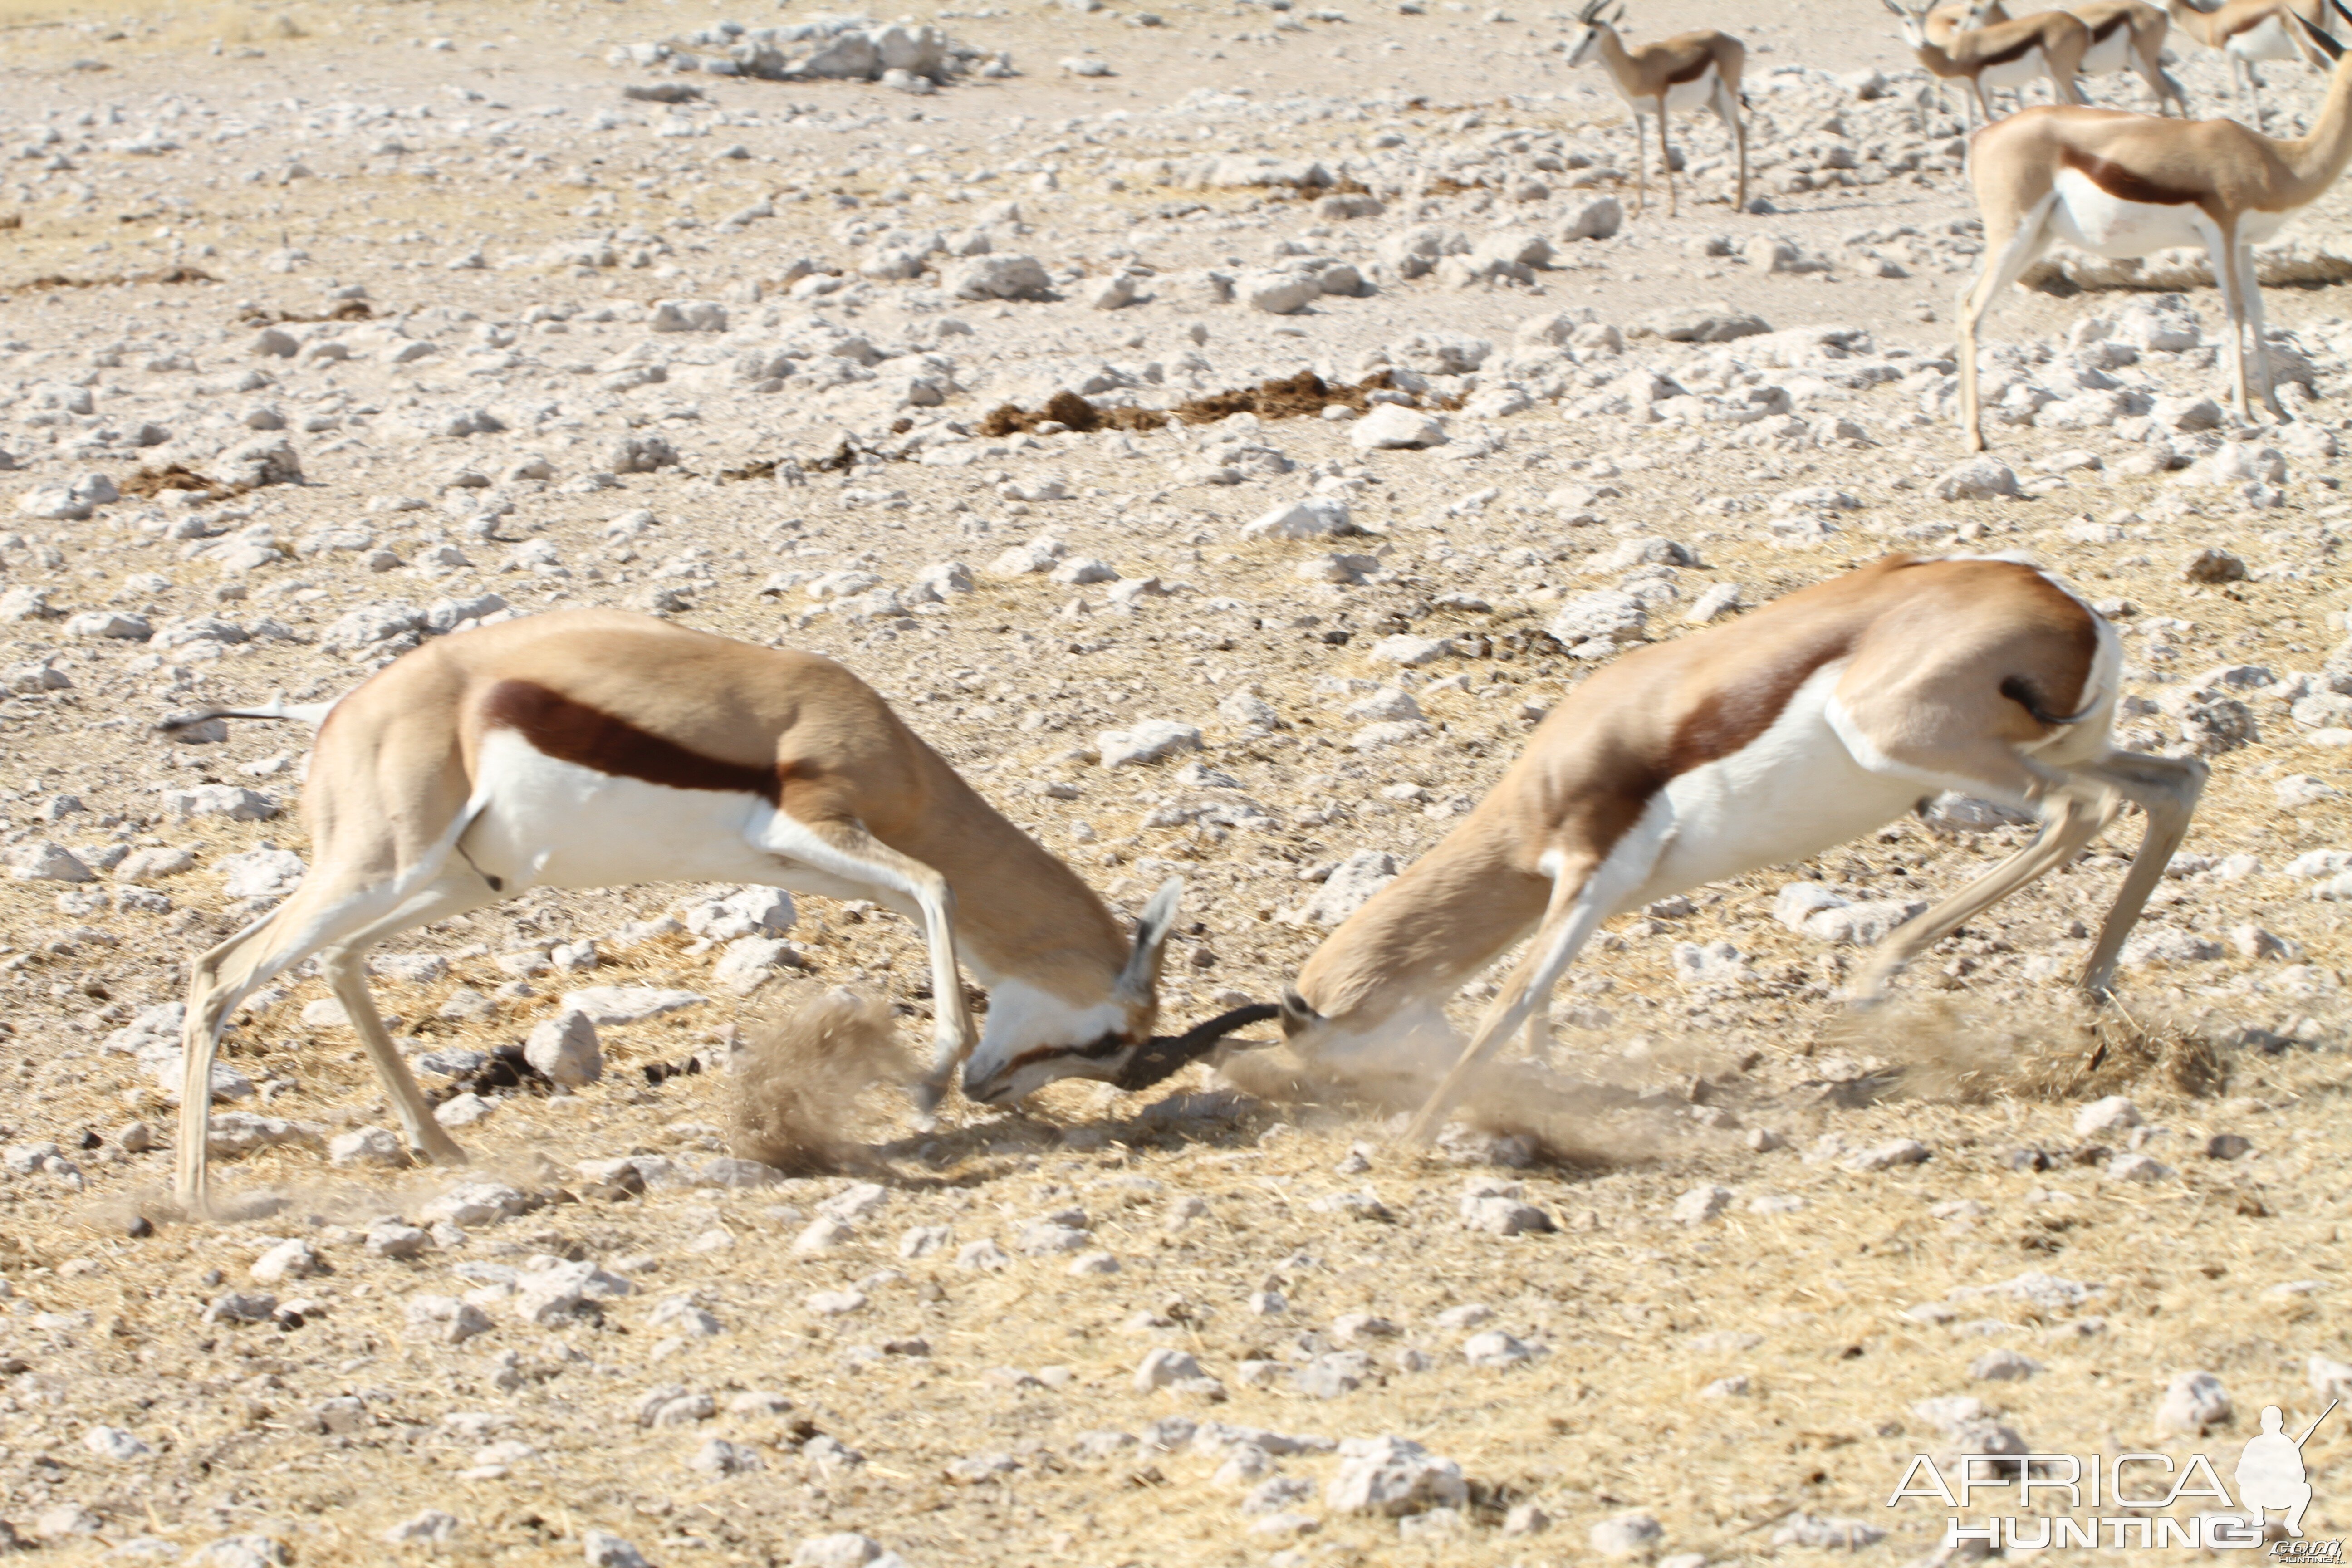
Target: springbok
(2049, 44)
(594, 749)
(1813, 720)
(1689, 70)
(2129, 35)
(2246, 32)
(2124, 184)
(2125, 35)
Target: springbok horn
(2317, 43)
(1163, 1056)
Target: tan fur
(396, 763)
(2225, 27)
(1928, 649)
(1642, 78)
(1963, 54)
(2149, 27)
(2224, 168)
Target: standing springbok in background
(2129, 35)
(1813, 720)
(2049, 44)
(2247, 31)
(2122, 184)
(591, 749)
(1689, 70)
(2125, 35)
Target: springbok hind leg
(2166, 789)
(1568, 924)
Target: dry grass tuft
(797, 1105)
(2061, 1049)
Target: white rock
(2115, 1113)
(1349, 886)
(365, 1146)
(1147, 740)
(114, 1443)
(1313, 517)
(293, 1259)
(1165, 1367)
(1411, 652)
(565, 1048)
(602, 1548)
(1392, 426)
(1701, 1205)
(605, 1005)
(2193, 1402)
(1393, 1477)
(1978, 479)
(1627, 1536)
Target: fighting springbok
(1813, 720)
(2126, 184)
(2247, 32)
(1689, 70)
(2049, 44)
(594, 749)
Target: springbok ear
(1140, 981)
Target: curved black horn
(1164, 1055)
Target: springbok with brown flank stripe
(1819, 717)
(2125, 35)
(2047, 44)
(2247, 32)
(1689, 70)
(2122, 184)
(591, 749)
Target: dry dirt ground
(431, 256)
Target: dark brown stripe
(574, 732)
(2106, 30)
(1690, 72)
(2121, 183)
(2014, 51)
(1730, 718)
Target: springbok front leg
(1666, 158)
(1569, 922)
(844, 850)
(2166, 789)
(2069, 822)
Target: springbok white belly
(2266, 40)
(1790, 794)
(2026, 67)
(1696, 93)
(2090, 219)
(553, 824)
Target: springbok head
(1591, 24)
(1111, 1042)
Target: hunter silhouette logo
(2129, 1497)
(2269, 1470)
